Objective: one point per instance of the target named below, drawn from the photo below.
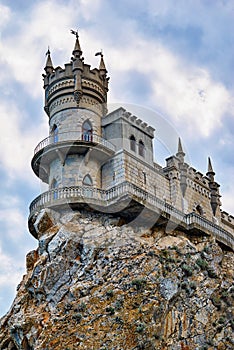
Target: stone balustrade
(104, 198)
(74, 136)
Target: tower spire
(210, 172)
(77, 52)
(102, 66)
(49, 65)
(210, 168)
(180, 153)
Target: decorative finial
(48, 51)
(99, 53)
(77, 50)
(102, 66)
(75, 32)
(49, 65)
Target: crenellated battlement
(75, 85)
(129, 117)
(227, 221)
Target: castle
(105, 162)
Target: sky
(173, 59)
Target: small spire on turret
(210, 168)
(180, 153)
(102, 66)
(180, 149)
(210, 172)
(49, 65)
(77, 49)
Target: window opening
(55, 133)
(144, 177)
(141, 149)
(87, 131)
(132, 143)
(199, 210)
(54, 187)
(87, 180)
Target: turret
(214, 188)
(183, 167)
(73, 153)
(77, 85)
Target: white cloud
(186, 93)
(5, 15)
(12, 218)
(17, 142)
(10, 274)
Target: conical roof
(210, 168)
(49, 65)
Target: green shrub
(140, 328)
(202, 263)
(109, 293)
(77, 317)
(118, 304)
(110, 310)
(211, 272)
(188, 271)
(139, 283)
(193, 285)
(216, 302)
(81, 307)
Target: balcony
(72, 142)
(125, 197)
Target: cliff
(97, 283)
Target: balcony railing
(104, 198)
(74, 136)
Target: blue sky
(175, 58)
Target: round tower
(75, 102)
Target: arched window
(132, 143)
(54, 186)
(141, 149)
(87, 180)
(54, 133)
(87, 131)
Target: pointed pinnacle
(102, 64)
(210, 168)
(180, 149)
(77, 48)
(49, 65)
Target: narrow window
(132, 143)
(54, 133)
(87, 180)
(144, 177)
(141, 149)
(87, 131)
(54, 187)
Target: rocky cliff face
(95, 283)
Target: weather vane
(48, 51)
(75, 32)
(99, 53)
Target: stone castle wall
(74, 170)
